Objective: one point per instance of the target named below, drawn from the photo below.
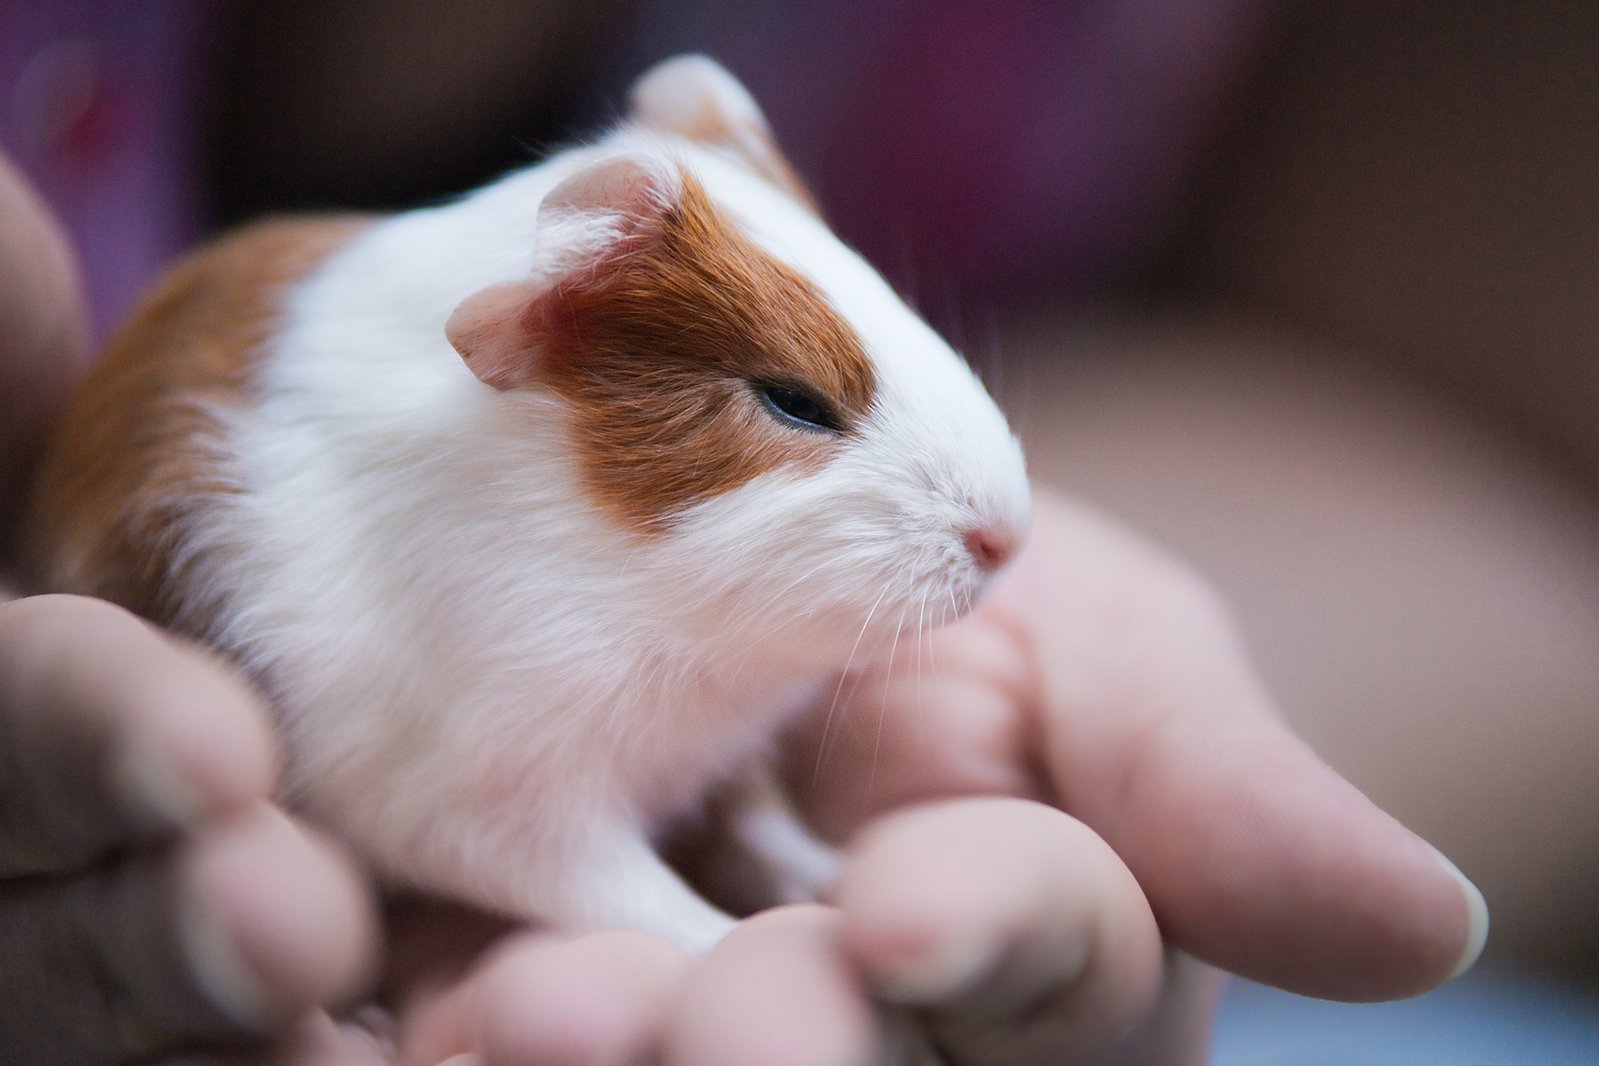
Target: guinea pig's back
(140, 446)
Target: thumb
(1255, 855)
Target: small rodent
(537, 514)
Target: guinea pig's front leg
(614, 879)
(762, 820)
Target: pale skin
(1053, 811)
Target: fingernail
(951, 966)
(150, 778)
(219, 968)
(374, 1031)
(1477, 911)
(279, 921)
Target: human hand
(1101, 680)
(1098, 679)
(43, 330)
(1105, 680)
(153, 905)
(1075, 964)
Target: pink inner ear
(493, 331)
(582, 224)
(633, 188)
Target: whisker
(827, 724)
(923, 640)
(806, 576)
(882, 713)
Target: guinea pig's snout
(991, 545)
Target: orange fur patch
(660, 352)
(136, 450)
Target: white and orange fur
(507, 526)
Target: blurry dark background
(978, 148)
(1309, 291)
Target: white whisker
(882, 713)
(923, 641)
(827, 724)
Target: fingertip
(1476, 936)
(984, 904)
(777, 991)
(596, 1001)
(276, 922)
(1262, 860)
(178, 769)
(1430, 929)
(199, 743)
(158, 733)
(913, 961)
(911, 927)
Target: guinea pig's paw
(801, 866)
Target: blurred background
(1309, 291)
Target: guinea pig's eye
(799, 406)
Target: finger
(1254, 854)
(110, 732)
(940, 720)
(229, 939)
(536, 999)
(600, 1000)
(1014, 929)
(42, 321)
(777, 991)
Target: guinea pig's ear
(695, 97)
(491, 331)
(586, 218)
(587, 225)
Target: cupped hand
(1146, 808)
(1107, 682)
(1105, 679)
(1030, 944)
(1056, 809)
(153, 906)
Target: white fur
(489, 688)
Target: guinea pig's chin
(945, 598)
(823, 631)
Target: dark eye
(799, 405)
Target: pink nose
(991, 548)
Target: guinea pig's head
(790, 454)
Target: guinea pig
(538, 514)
